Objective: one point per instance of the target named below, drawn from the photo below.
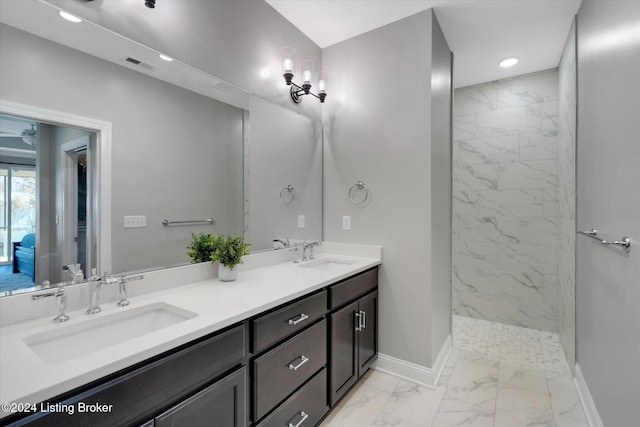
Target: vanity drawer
(281, 323)
(350, 289)
(285, 368)
(307, 403)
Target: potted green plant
(229, 252)
(200, 249)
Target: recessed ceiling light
(69, 17)
(165, 58)
(508, 62)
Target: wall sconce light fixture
(297, 92)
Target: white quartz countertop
(25, 378)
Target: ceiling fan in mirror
(28, 135)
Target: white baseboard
(593, 418)
(413, 372)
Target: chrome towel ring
(358, 188)
(287, 195)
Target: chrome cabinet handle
(303, 360)
(358, 321)
(302, 317)
(304, 418)
(363, 316)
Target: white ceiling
(479, 32)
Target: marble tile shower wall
(505, 201)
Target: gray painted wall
(608, 151)
(233, 40)
(567, 81)
(285, 148)
(168, 145)
(378, 130)
(440, 196)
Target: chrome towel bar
(624, 243)
(195, 221)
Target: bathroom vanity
(280, 346)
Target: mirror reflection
(176, 155)
(46, 201)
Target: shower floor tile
(520, 347)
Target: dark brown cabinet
(305, 408)
(279, 372)
(141, 392)
(353, 343)
(222, 404)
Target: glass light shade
(306, 76)
(287, 55)
(287, 64)
(321, 86)
(307, 71)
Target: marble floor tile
(532, 417)
(458, 413)
(474, 380)
(414, 403)
(383, 381)
(496, 376)
(385, 419)
(565, 402)
(360, 408)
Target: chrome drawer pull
(363, 316)
(303, 360)
(301, 318)
(358, 321)
(304, 418)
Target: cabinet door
(368, 334)
(222, 404)
(343, 367)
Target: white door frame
(103, 166)
(69, 201)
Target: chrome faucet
(309, 246)
(123, 302)
(76, 273)
(61, 303)
(108, 279)
(94, 292)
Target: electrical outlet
(138, 221)
(300, 221)
(346, 223)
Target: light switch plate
(300, 221)
(137, 221)
(346, 223)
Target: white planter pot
(226, 274)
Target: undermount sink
(328, 264)
(70, 342)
